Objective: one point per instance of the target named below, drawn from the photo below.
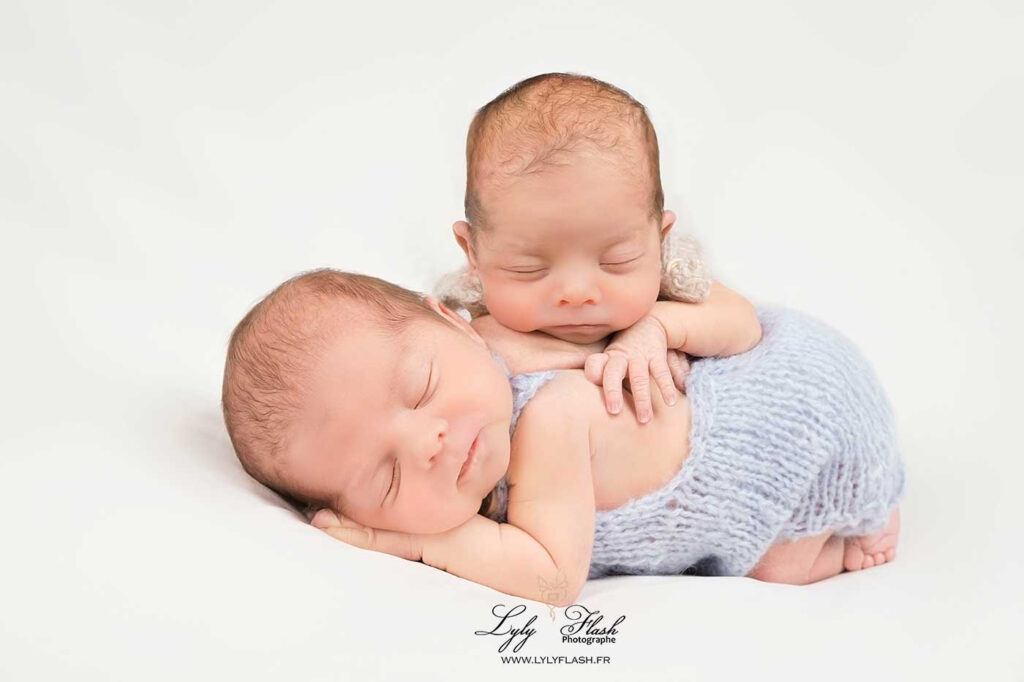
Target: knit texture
(793, 438)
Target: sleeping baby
(566, 235)
(390, 414)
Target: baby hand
(403, 545)
(641, 352)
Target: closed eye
(426, 387)
(396, 477)
(525, 271)
(621, 262)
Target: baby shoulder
(563, 408)
(566, 399)
(549, 473)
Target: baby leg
(808, 560)
(802, 561)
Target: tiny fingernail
(672, 398)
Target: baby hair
(278, 342)
(539, 121)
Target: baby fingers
(357, 537)
(343, 528)
(404, 545)
(640, 387)
(593, 367)
(325, 518)
(679, 366)
(614, 373)
(663, 378)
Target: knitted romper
(790, 439)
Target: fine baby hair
(541, 122)
(276, 345)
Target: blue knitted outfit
(788, 440)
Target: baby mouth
(579, 333)
(579, 328)
(470, 458)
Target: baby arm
(724, 324)
(532, 351)
(549, 535)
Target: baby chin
(579, 333)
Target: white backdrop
(164, 165)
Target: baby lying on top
(389, 413)
(566, 235)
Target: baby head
(348, 392)
(564, 207)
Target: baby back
(629, 459)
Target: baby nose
(429, 443)
(576, 292)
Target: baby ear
(464, 237)
(454, 318)
(668, 220)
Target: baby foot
(871, 550)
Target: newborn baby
(566, 235)
(390, 414)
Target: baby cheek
(513, 306)
(636, 298)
